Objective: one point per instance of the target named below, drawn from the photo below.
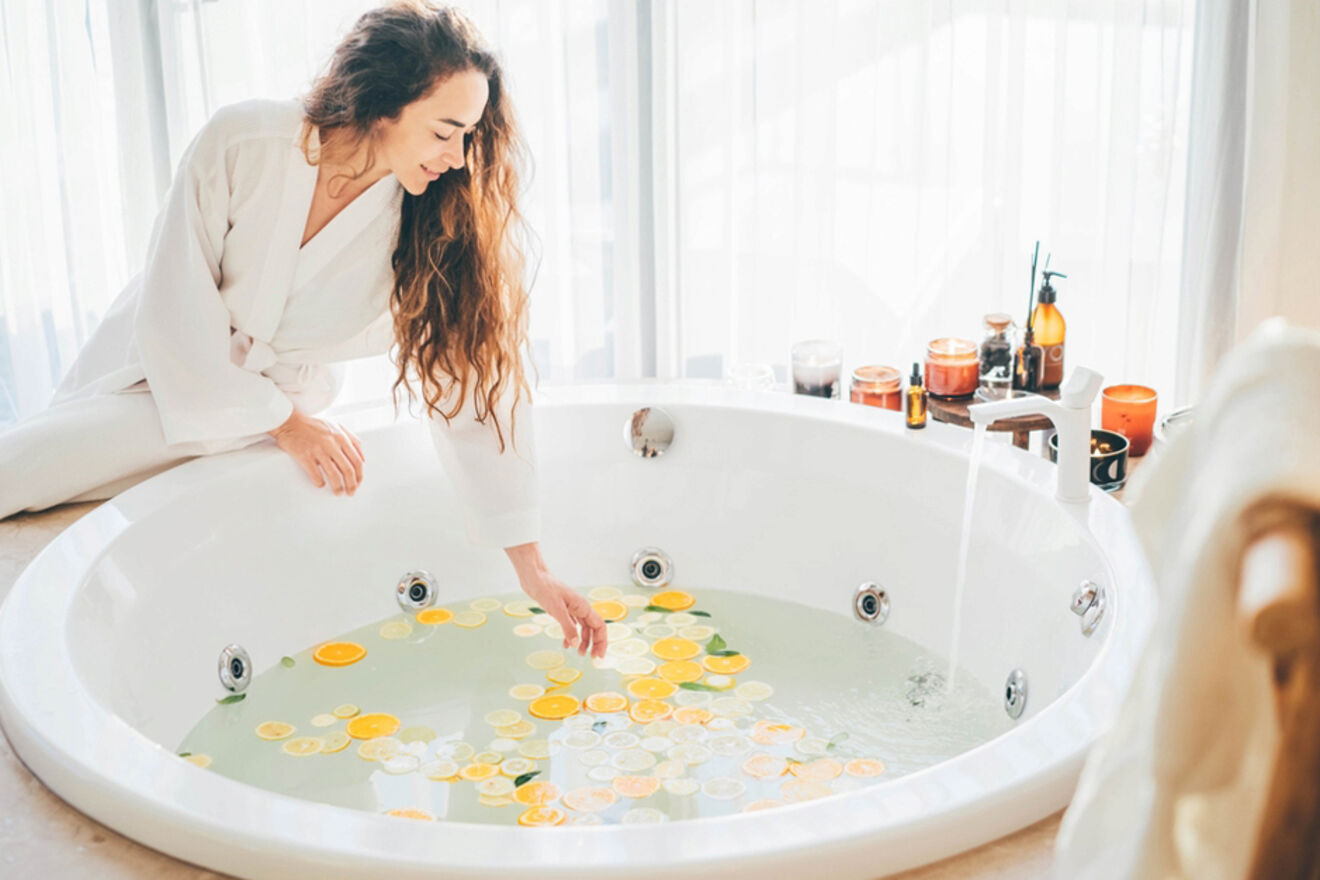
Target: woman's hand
(322, 448)
(583, 627)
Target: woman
(379, 210)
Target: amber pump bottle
(914, 400)
(1048, 325)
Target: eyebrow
(455, 122)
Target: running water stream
(973, 470)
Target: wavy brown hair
(459, 299)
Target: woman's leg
(82, 450)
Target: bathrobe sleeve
(499, 491)
(182, 326)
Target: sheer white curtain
(877, 173)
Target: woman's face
(427, 138)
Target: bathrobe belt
(311, 385)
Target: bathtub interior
(788, 505)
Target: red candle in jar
(953, 367)
(1130, 410)
(875, 385)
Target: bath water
(964, 542)
(836, 704)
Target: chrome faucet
(1071, 416)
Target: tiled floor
(41, 836)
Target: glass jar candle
(876, 385)
(1130, 410)
(817, 364)
(953, 367)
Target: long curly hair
(459, 299)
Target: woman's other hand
(584, 629)
(328, 452)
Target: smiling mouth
(429, 171)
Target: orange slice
(731, 665)
(339, 653)
(536, 794)
(765, 804)
(819, 770)
(679, 671)
(765, 766)
(675, 649)
(542, 816)
(433, 616)
(478, 771)
(610, 610)
(673, 600)
(636, 786)
(371, 726)
(651, 688)
(646, 711)
(590, 800)
(411, 813)
(693, 715)
(606, 702)
(775, 733)
(864, 767)
(554, 706)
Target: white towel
(1175, 789)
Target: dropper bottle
(914, 400)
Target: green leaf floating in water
(792, 760)
(835, 740)
(518, 783)
(727, 652)
(185, 754)
(232, 698)
(536, 610)
(287, 662)
(696, 686)
(658, 608)
(700, 613)
(599, 726)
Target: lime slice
(469, 619)
(334, 741)
(486, 604)
(347, 710)
(605, 594)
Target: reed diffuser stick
(1031, 291)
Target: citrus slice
(202, 761)
(721, 682)
(763, 766)
(536, 794)
(478, 771)
(763, 804)
(812, 746)
(754, 690)
(669, 769)
(606, 702)
(681, 618)
(325, 719)
(731, 665)
(515, 767)
(517, 730)
(610, 610)
(488, 757)
(334, 741)
(495, 786)
(636, 786)
(380, 749)
(636, 666)
(339, 653)
(633, 647)
(658, 631)
(617, 632)
(518, 609)
(697, 632)
(581, 739)
(526, 691)
(864, 767)
(302, 746)
(554, 706)
(675, 649)
(684, 785)
(657, 743)
(604, 773)
(503, 717)
(590, 799)
(634, 760)
(274, 729)
(542, 816)
(372, 725)
(485, 604)
(797, 790)
(564, 675)
(440, 771)
(646, 711)
(621, 739)
(346, 710)
(400, 765)
(411, 813)
(536, 749)
(457, 751)
(730, 745)
(546, 659)
(469, 619)
(604, 594)
(396, 629)
(723, 788)
(418, 733)
(679, 671)
(493, 801)
(673, 600)
(434, 616)
(553, 630)
(651, 688)
(526, 630)
(690, 753)
(643, 816)
(730, 707)
(692, 715)
(819, 770)
(776, 733)
(635, 600)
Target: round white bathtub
(109, 640)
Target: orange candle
(953, 367)
(875, 385)
(1130, 410)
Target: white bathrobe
(232, 324)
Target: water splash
(964, 541)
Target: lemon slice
(690, 753)
(730, 707)
(400, 765)
(646, 711)
(658, 631)
(564, 675)
(610, 610)
(502, 744)
(518, 609)
(651, 688)
(723, 788)
(347, 710)
(606, 702)
(527, 630)
(495, 786)
(526, 691)
(581, 739)
(679, 619)
(604, 594)
(764, 766)
(643, 816)
(546, 659)
(372, 725)
(617, 632)
(635, 600)
(811, 746)
(692, 698)
(730, 745)
(202, 761)
(418, 733)
(517, 730)
(302, 746)
(697, 632)
(441, 770)
(411, 813)
(488, 757)
(603, 773)
(636, 786)
(621, 739)
(536, 817)
(478, 771)
(693, 715)
(635, 666)
(753, 690)
(633, 647)
(819, 770)
(536, 749)
(325, 719)
(673, 600)
(274, 730)
(334, 741)
(469, 619)
(434, 616)
(589, 799)
(594, 758)
(396, 629)
(763, 804)
(669, 769)
(649, 617)
(679, 671)
(634, 760)
(457, 751)
(864, 767)
(486, 604)
(675, 649)
(535, 794)
(503, 717)
(494, 801)
(690, 733)
(339, 653)
(681, 785)
(554, 706)
(515, 767)
(723, 682)
(798, 790)
(380, 749)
